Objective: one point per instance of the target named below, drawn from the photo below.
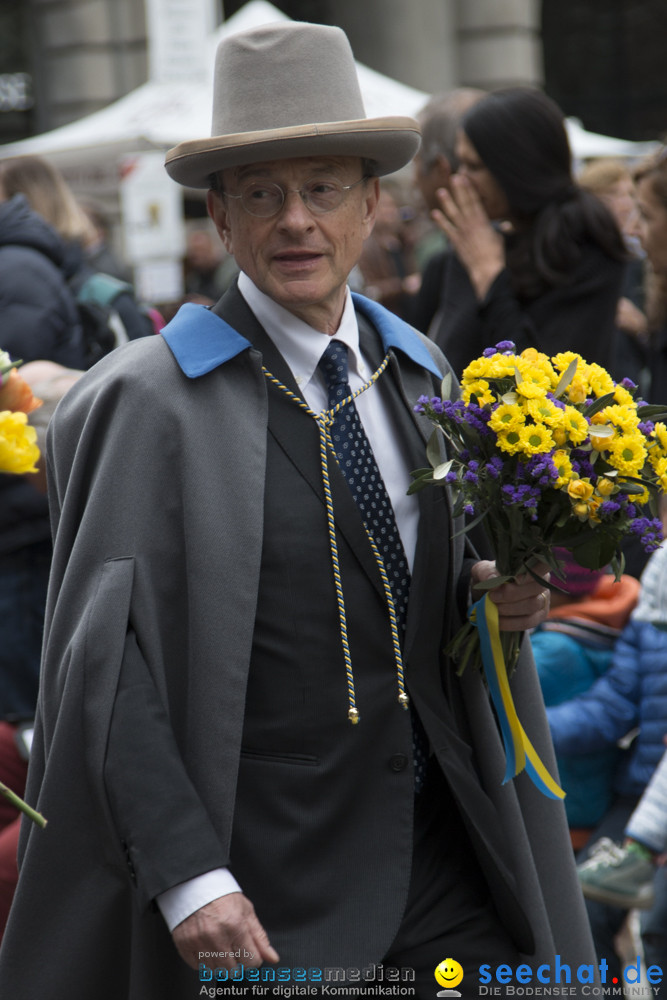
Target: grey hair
(440, 119)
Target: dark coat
(158, 478)
(38, 321)
(578, 316)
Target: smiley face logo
(449, 974)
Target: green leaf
(654, 411)
(441, 470)
(599, 404)
(433, 449)
(566, 378)
(446, 386)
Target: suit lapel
(432, 561)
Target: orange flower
(16, 394)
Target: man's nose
(294, 211)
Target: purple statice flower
(421, 404)
(477, 417)
(451, 477)
(649, 531)
(541, 468)
(507, 346)
(608, 507)
(628, 384)
(581, 464)
(646, 427)
(470, 476)
(522, 495)
(494, 467)
(469, 509)
(557, 402)
(437, 404)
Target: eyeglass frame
(344, 188)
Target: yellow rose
(18, 443)
(579, 489)
(604, 487)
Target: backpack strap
(102, 288)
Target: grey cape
(157, 484)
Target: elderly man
(250, 750)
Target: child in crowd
(572, 648)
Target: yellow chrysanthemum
(621, 416)
(540, 362)
(535, 439)
(599, 380)
(506, 417)
(18, 443)
(509, 440)
(623, 396)
(497, 366)
(578, 390)
(658, 464)
(544, 411)
(575, 425)
(564, 360)
(480, 389)
(660, 435)
(561, 460)
(627, 454)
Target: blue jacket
(568, 666)
(632, 694)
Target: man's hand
(226, 924)
(521, 605)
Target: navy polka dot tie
(357, 462)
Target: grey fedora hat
(285, 90)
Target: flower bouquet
(547, 453)
(19, 454)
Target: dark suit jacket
(193, 707)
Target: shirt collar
(300, 344)
(201, 341)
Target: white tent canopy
(159, 115)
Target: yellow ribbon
(519, 751)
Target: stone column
(499, 43)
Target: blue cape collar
(201, 341)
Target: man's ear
(217, 209)
(370, 204)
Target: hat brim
(390, 142)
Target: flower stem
(22, 806)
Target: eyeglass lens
(264, 198)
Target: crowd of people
(241, 752)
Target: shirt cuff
(184, 899)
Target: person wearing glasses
(256, 765)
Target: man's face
(300, 259)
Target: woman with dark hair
(651, 180)
(535, 259)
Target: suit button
(398, 762)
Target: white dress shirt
(302, 348)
